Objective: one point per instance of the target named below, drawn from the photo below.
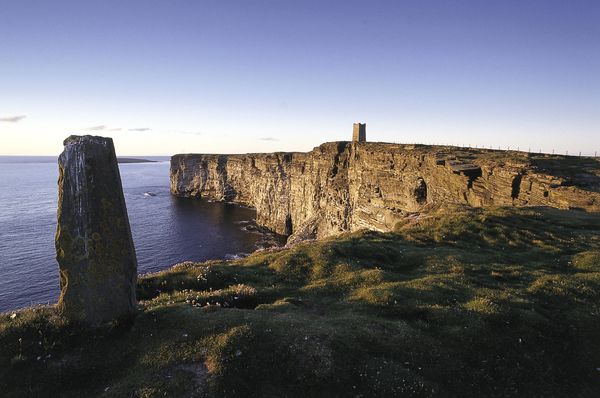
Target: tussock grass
(466, 303)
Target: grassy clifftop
(465, 302)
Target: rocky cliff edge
(346, 186)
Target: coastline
(166, 230)
(439, 307)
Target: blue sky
(162, 77)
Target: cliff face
(344, 186)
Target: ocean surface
(166, 230)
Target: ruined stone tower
(359, 132)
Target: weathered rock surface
(344, 186)
(94, 248)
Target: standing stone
(94, 248)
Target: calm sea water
(166, 230)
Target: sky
(165, 77)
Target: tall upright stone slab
(94, 248)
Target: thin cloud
(116, 129)
(140, 129)
(96, 128)
(189, 132)
(269, 139)
(12, 119)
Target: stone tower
(359, 132)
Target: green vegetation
(463, 302)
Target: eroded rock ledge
(344, 186)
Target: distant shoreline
(15, 159)
(134, 160)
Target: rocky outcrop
(346, 186)
(94, 248)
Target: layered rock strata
(346, 186)
(94, 248)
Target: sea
(166, 230)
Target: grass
(464, 302)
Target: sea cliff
(346, 186)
